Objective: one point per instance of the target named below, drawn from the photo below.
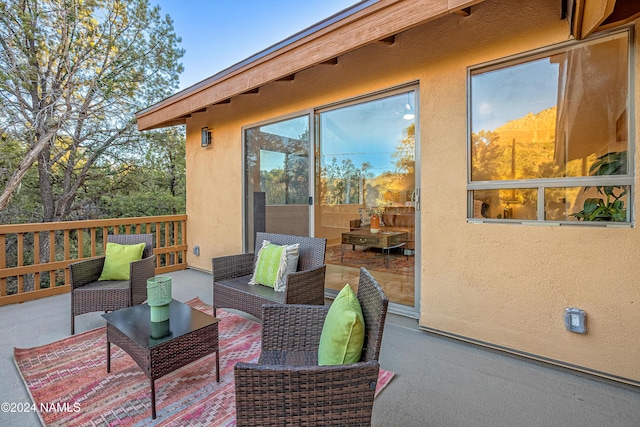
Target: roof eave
(366, 22)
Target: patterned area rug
(68, 380)
(372, 259)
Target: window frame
(541, 184)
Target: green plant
(612, 208)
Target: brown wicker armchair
(287, 387)
(231, 275)
(88, 294)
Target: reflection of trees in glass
(582, 94)
(487, 156)
(288, 184)
(272, 182)
(397, 186)
(405, 154)
(521, 149)
(343, 183)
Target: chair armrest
(86, 271)
(292, 327)
(306, 287)
(140, 272)
(230, 266)
(310, 395)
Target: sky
(217, 34)
(510, 93)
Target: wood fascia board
(169, 123)
(378, 21)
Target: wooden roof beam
(289, 78)
(332, 61)
(389, 40)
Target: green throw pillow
(271, 266)
(342, 335)
(117, 260)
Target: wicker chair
(88, 294)
(231, 275)
(287, 387)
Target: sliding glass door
(357, 171)
(366, 169)
(276, 186)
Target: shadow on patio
(439, 381)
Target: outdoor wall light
(205, 137)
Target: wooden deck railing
(34, 258)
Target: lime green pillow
(342, 335)
(271, 266)
(118, 259)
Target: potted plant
(612, 208)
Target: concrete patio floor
(439, 381)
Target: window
(549, 137)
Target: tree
(487, 156)
(405, 154)
(72, 75)
(343, 183)
(11, 153)
(154, 187)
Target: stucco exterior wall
(506, 285)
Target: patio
(439, 381)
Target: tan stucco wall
(502, 284)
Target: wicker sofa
(231, 275)
(401, 218)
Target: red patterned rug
(372, 259)
(67, 379)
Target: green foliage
(611, 208)
(153, 185)
(596, 209)
(152, 182)
(72, 76)
(405, 153)
(344, 182)
(26, 206)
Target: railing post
(36, 259)
(3, 264)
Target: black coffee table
(162, 347)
